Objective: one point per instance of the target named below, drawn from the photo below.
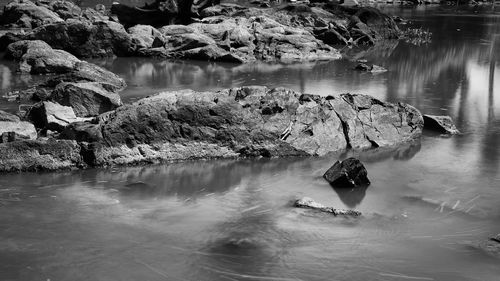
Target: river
(428, 207)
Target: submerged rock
(348, 173)
(307, 202)
(370, 68)
(443, 124)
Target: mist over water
(429, 205)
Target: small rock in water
(307, 202)
(348, 173)
(369, 68)
(443, 124)
(496, 238)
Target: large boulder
(86, 39)
(238, 122)
(27, 14)
(37, 155)
(87, 98)
(348, 173)
(36, 57)
(53, 116)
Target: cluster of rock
(81, 108)
(226, 32)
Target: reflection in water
(351, 196)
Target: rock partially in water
(87, 98)
(370, 68)
(490, 246)
(26, 14)
(442, 124)
(309, 203)
(53, 116)
(348, 173)
(38, 155)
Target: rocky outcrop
(5, 116)
(442, 124)
(348, 173)
(23, 13)
(88, 98)
(309, 203)
(38, 155)
(242, 122)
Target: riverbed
(428, 207)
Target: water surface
(429, 204)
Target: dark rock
(363, 67)
(9, 38)
(309, 203)
(5, 116)
(24, 13)
(52, 116)
(348, 173)
(37, 155)
(87, 98)
(87, 39)
(443, 124)
(82, 132)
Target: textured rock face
(36, 155)
(86, 39)
(443, 124)
(41, 59)
(21, 129)
(348, 173)
(5, 116)
(26, 14)
(146, 36)
(242, 122)
(52, 116)
(88, 98)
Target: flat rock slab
(53, 116)
(19, 128)
(348, 173)
(443, 124)
(309, 203)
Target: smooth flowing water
(429, 205)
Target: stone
(39, 155)
(442, 124)
(27, 14)
(309, 203)
(348, 173)
(19, 128)
(144, 36)
(87, 98)
(53, 116)
(5, 116)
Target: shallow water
(429, 204)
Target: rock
(86, 39)
(82, 132)
(65, 9)
(443, 124)
(24, 13)
(38, 155)
(309, 203)
(87, 98)
(36, 57)
(87, 72)
(52, 116)
(146, 36)
(369, 122)
(373, 68)
(348, 173)
(5, 116)
(17, 129)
